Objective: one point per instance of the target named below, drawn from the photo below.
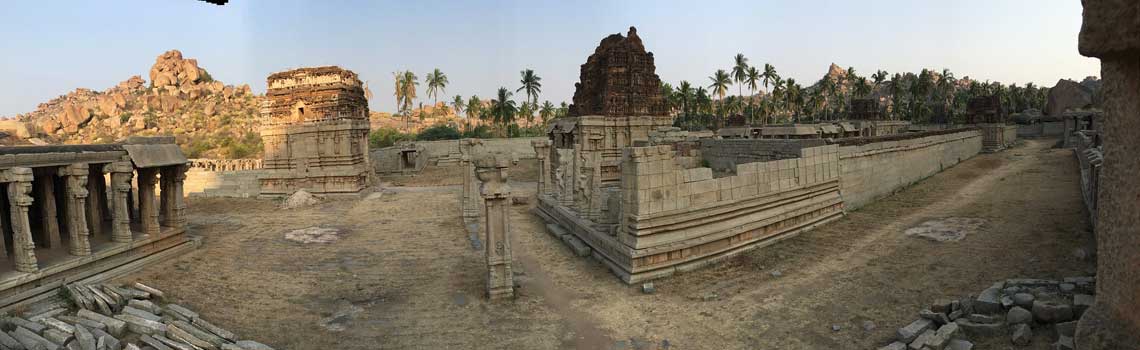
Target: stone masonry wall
(875, 170)
(725, 154)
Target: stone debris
(300, 199)
(869, 326)
(1011, 308)
(648, 288)
(946, 230)
(313, 235)
(139, 322)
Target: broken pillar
(1110, 32)
(491, 169)
(469, 198)
(541, 151)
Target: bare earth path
(404, 276)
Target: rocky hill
(207, 117)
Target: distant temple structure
(315, 132)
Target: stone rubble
(107, 317)
(1013, 308)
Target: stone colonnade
(1110, 32)
(86, 202)
(491, 169)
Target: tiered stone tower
(315, 132)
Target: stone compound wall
(877, 169)
(1045, 129)
(223, 178)
(725, 154)
(446, 152)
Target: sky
(52, 47)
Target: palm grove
(501, 112)
(925, 97)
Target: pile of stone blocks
(107, 317)
(1014, 308)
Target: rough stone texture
(1047, 312)
(1024, 300)
(1018, 315)
(989, 301)
(975, 329)
(315, 132)
(1021, 335)
(491, 169)
(619, 80)
(913, 330)
(958, 344)
(1067, 94)
(894, 346)
(1110, 32)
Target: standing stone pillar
(470, 197)
(541, 151)
(564, 174)
(174, 205)
(19, 188)
(1110, 32)
(492, 171)
(121, 174)
(49, 212)
(75, 176)
(97, 189)
(148, 208)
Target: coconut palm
(503, 109)
(406, 83)
(436, 83)
(740, 72)
(752, 80)
(862, 87)
(532, 83)
(879, 77)
(685, 91)
(474, 107)
(720, 82)
(769, 75)
(547, 111)
(457, 105)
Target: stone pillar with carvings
(541, 151)
(49, 211)
(121, 174)
(1110, 32)
(19, 189)
(148, 208)
(174, 205)
(491, 169)
(469, 199)
(75, 176)
(97, 191)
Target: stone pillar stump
(492, 171)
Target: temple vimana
(618, 228)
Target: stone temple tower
(315, 132)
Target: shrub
(438, 132)
(386, 137)
(478, 132)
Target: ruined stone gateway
(315, 133)
(648, 200)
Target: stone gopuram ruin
(75, 212)
(648, 200)
(315, 132)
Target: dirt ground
(403, 274)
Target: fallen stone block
(921, 340)
(989, 301)
(81, 300)
(57, 324)
(50, 313)
(960, 344)
(195, 336)
(913, 330)
(943, 336)
(173, 344)
(1006, 302)
(140, 313)
(979, 318)
(576, 245)
(141, 325)
(30, 339)
(648, 288)
(218, 331)
(85, 338)
(556, 230)
(1081, 303)
(1031, 282)
(956, 314)
(1046, 312)
(938, 317)
(1024, 300)
(6, 341)
(894, 346)
(154, 343)
(130, 346)
(74, 320)
(1022, 335)
(35, 327)
(115, 327)
(974, 329)
(185, 313)
(154, 292)
(1063, 343)
(106, 340)
(252, 345)
(145, 305)
(129, 292)
(1018, 315)
(103, 298)
(57, 337)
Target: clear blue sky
(52, 47)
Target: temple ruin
(315, 133)
(74, 212)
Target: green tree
(503, 109)
(457, 105)
(720, 82)
(547, 111)
(685, 91)
(769, 75)
(474, 107)
(406, 83)
(752, 79)
(740, 72)
(532, 83)
(436, 83)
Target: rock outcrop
(619, 80)
(208, 117)
(1068, 94)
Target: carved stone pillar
(97, 190)
(541, 150)
(148, 207)
(121, 174)
(564, 175)
(1110, 32)
(75, 176)
(174, 205)
(469, 199)
(49, 212)
(492, 171)
(19, 187)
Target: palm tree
(671, 99)
(547, 111)
(532, 84)
(879, 77)
(740, 72)
(457, 105)
(752, 79)
(685, 91)
(719, 86)
(862, 88)
(436, 82)
(503, 109)
(474, 107)
(768, 75)
(406, 83)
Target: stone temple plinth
(315, 133)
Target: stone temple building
(315, 133)
(73, 212)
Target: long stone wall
(877, 169)
(236, 183)
(446, 152)
(721, 154)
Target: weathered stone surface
(1024, 300)
(252, 345)
(32, 340)
(174, 344)
(921, 341)
(894, 346)
(938, 317)
(1063, 343)
(85, 338)
(1018, 315)
(619, 79)
(153, 292)
(943, 336)
(154, 343)
(218, 331)
(974, 329)
(913, 330)
(81, 321)
(57, 337)
(106, 340)
(576, 245)
(1109, 28)
(959, 344)
(57, 324)
(942, 306)
(7, 341)
(145, 305)
(141, 325)
(49, 313)
(115, 327)
(140, 313)
(1081, 303)
(212, 341)
(1021, 335)
(35, 327)
(1047, 312)
(988, 301)
(1067, 95)
(980, 318)
(1066, 328)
